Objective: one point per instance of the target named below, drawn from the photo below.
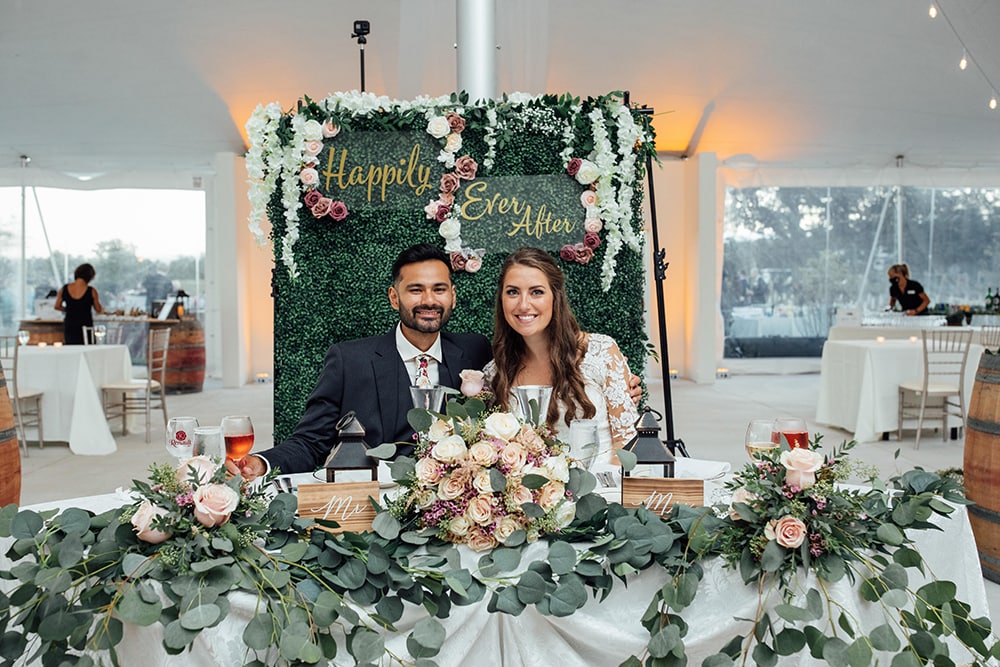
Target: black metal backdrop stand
(660, 274)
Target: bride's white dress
(605, 377)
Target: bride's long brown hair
(566, 345)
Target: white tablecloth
(859, 383)
(890, 333)
(601, 633)
(71, 377)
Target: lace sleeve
(622, 413)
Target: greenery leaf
(386, 450)
(134, 609)
(627, 459)
(562, 557)
(200, 617)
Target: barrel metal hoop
(983, 513)
(8, 434)
(983, 426)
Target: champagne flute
(793, 430)
(759, 441)
(23, 336)
(237, 431)
(180, 437)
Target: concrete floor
(710, 419)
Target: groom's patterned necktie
(423, 378)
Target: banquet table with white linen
(859, 383)
(71, 377)
(600, 633)
(891, 332)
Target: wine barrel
(10, 455)
(982, 463)
(185, 372)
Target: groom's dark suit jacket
(367, 376)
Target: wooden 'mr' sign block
(343, 502)
(659, 494)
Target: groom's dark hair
(422, 252)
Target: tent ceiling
(113, 86)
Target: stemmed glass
(583, 441)
(100, 331)
(23, 336)
(758, 440)
(794, 431)
(180, 437)
(237, 431)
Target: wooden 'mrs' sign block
(659, 494)
(344, 502)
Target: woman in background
(537, 341)
(909, 293)
(78, 300)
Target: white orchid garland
(268, 161)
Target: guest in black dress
(78, 300)
(909, 293)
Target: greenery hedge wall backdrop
(349, 181)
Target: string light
(967, 55)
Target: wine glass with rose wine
(793, 430)
(758, 440)
(237, 432)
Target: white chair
(27, 402)
(88, 335)
(142, 395)
(945, 354)
(991, 336)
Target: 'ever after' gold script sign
(400, 170)
(344, 502)
(659, 494)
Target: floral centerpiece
(486, 481)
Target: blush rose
(214, 503)
(142, 522)
(788, 531)
(465, 168)
(801, 466)
(472, 381)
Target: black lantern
(351, 452)
(647, 446)
(180, 305)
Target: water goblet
(583, 443)
(793, 430)
(100, 331)
(23, 336)
(180, 437)
(208, 442)
(533, 399)
(758, 441)
(427, 398)
(237, 431)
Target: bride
(537, 341)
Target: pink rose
(592, 225)
(550, 495)
(480, 541)
(309, 177)
(530, 439)
(505, 528)
(741, 496)
(483, 453)
(311, 198)
(142, 521)
(313, 148)
(458, 261)
(450, 183)
(591, 240)
(442, 213)
(588, 198)
(568, 253)
(472, 381)
(447, 198)
(465, 168)
(801, 466)
(213, 503)
(481, 481)
(480, 510)
(428, 471)
(788, 531)
(521, 495)
(455, 122)
(583, 253)
(573, 166)
(322, 207)
(513, 456)
(473, 264)
(202, 467)
(451, 488)
(460, 525)
(330, 130)
(338, 210)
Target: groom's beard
(410, 318)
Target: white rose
(450, 229)
(460, 525)
(330, 130)
(521, 495)
(309, 176)
(438, 127)
(481, 482)
(588, 173)
(565, 514)
(453, 143)
(505, 527)
(439, 430)
(450, 449)
(425, 498)
(312, 130)
(556, 468)
(502, 425)
(313, 148)
(453, 245)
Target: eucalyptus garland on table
(77, 577)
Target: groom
(372, 376)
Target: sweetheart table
(601, 633)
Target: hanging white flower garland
(613, 167)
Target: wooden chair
(946, 351)
(27, 402)
(991, 336)
(145, 394)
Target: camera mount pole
(362, 40)
(676, 445)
